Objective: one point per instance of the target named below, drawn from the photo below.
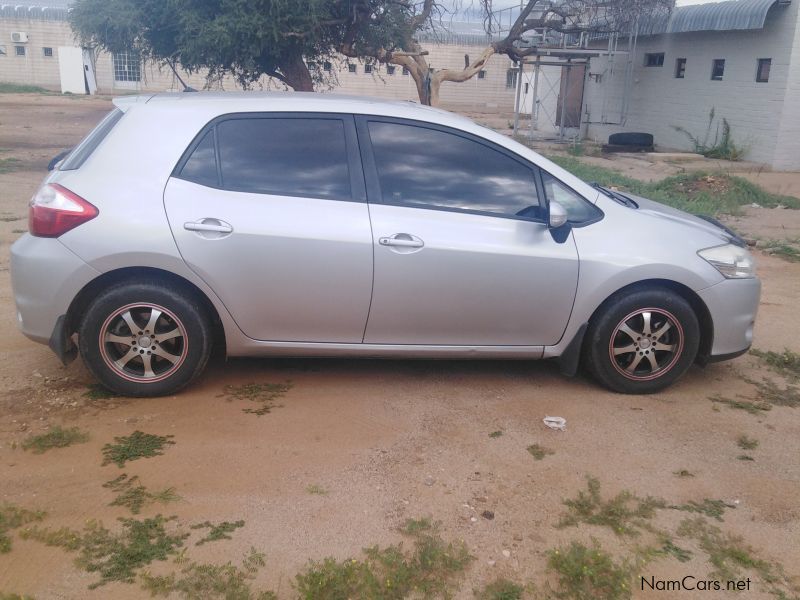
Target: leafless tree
(563, 16)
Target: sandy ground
(388, 440)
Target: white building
(741, 58)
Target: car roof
(231, 102)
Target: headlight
(732, 261)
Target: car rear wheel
(642, 341)
(145, 339)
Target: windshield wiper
(620, 198)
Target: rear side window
(202, 164)
(90, 143)
(274, 155)
(423, 167)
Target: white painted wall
(764, 117)
(787, 150)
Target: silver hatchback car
(303, 224)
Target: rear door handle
(404, 240)
(212, 225)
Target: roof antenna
(186, 88)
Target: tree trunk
(296, 75)
(418, 69)
(457, 76)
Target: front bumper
(45, 276)
(733, 305)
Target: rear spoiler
(125, 102)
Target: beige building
(37, 47)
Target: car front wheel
(145, 339)
(642, 341)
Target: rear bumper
(45, 277)
(733, 305)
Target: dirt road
(354, 448)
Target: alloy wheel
(143, 342)
(646, 344)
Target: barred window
(127, 66)
(48, 52)
(511, 78)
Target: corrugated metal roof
(39, 3)
(59, 12)
(714, 16)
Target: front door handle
(213, 225)
(403, 240)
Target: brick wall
(34, 68)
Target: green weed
(134, 496)
(538, 452)
(317, 490)
(771, 394)
(753, 407)
(786, 363)
(9, 165)
(16, 88)
(14, 517)
(788, 250)
(56, 437)
(710, 508)
(589, 573)
(391, 573)
(217, 532)
(196, 581)
(414, 527)
(730, 557)
(746, 443)
(263, 394)
(624, 514)
(501, 589)
(696, 192)
(496, 434)
(668, 547)
(114, 556)
(683, 473)
(722, 145)
(135, 446)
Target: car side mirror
(558, 216)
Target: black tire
(123, 314)
(624, 357)
(630, 138)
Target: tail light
(55, 210)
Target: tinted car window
(297, 157)
(202, 164)
(423, 167)
(579, 210)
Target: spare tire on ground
(630, 138)
(630, 141)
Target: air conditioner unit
(19, 37)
